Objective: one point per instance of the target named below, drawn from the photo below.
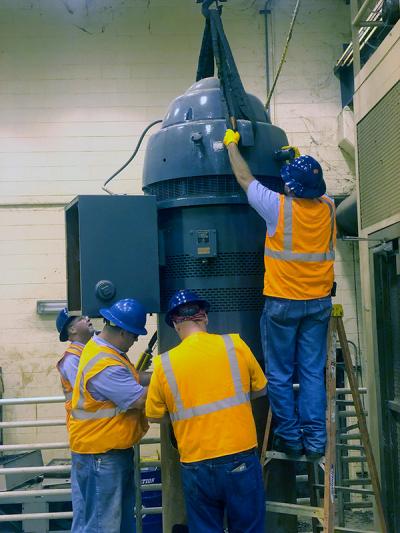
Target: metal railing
(21, 496)
(365, 19)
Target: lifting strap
(215, 46)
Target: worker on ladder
(78, 330)
(299, 278)
(204, 386)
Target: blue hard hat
(304, 177)
(62, 321)
(127, 314)
(183, 296)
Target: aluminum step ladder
(323, 516)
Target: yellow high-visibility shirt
(299, 257)
(74, 349)
(97, 426)
(205, 384)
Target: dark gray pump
(211, 241)
(209, 238)
(189, 145)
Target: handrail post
(138, 492)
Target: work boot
(314, 455)
(280, 445)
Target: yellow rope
(285, 50)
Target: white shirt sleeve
(266, 203)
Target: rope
(284, 53)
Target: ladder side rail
(362, 424)
(330, 462)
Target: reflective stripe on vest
(80, 413)
(183, 413)
(68, 395)
(287, 252)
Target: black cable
(132, 156)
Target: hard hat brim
(168, 316)
(105, 313)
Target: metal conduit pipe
(36, 446)
(32, 423)
(346, 215)
(38, 494)
(40, 399)
(151, 510)
(361, 390)
(146, 464)
(150, 488)
(358, 18)
(34, 516)
(13, 494)
(36, 470)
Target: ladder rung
(350, 436)
(301, 478)
(365, 481)
(350, 428)
(354, 459)
(303, 501)
(347, 489)
(272, 454)
(350, 530)
(361, 390)
(349, 414)
(358, 505)
(294, 509)
(350, 446)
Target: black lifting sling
(215, 46)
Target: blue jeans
(232, 485)
(295, 332)
(103, 492)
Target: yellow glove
(231, 137)
(296, 150)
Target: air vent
(224, 300)
(225, 264)
(379, 159)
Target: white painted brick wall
(77, 87)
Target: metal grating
(378, 137)
(224, 299)
(225, 264)
(225, 185)
(210, 186)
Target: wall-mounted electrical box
(112, 252)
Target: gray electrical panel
(112, 252)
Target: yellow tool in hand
(145, 358)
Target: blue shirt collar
(103, 342)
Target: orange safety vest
(299, 257)
(75, 350)
(99, 426)
(207, 381)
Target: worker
(78, 330)
(299, 277)
(107, 419)
(203, 386)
